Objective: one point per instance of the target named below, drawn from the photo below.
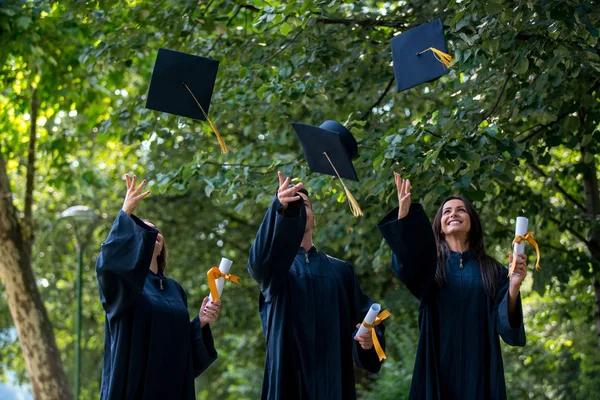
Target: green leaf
(522, 66)
(285, 28)
(24, 22)
(8, 11)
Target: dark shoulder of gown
(151, 349)
(458, 353)
(309, 305)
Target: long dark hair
(488, 266)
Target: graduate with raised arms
(310, 303)
(466, 300)
(151, 348)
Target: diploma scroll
(372, 319)
(223, 273)
(520, 230)
(522, 236)
(369, 319)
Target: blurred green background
(513, 126)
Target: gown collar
(301, 251)
(465, 255)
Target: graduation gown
(458, 353)
(309, 306)
(151, 349)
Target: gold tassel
(442, 57)
(224, 148)
(354, 207)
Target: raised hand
(403, 187)
(209, 312)
(133, 196)
(285, 194)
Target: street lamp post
(79, 214)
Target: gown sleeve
(365, 359)
(123, 262)
(412, 242)
(202, 344)
(511, 330)
(276, 244)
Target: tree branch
(558, 187)
(284, 47)
(540, 129)
(570, 230)
(380, 99)
(364, 22)
(236, 12)
(493, 110)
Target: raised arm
(125, 256)
(278, 238)
(408, 232)
(508, 307)
(202, 345)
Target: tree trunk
(27, 222)
(46, 373)
(592, 205)
(597, 291)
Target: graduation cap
(182, 84)
(420, 55)
(329, 149)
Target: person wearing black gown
(310, 305)
(151, 349)
(466, 300)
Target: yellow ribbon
(528, 237)
(354, 207)
(442, 57)
(224, 148)
(382, 315)
(215, 273)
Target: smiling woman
(466, 299)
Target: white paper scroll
(369, 318)
(224, 268)
(521, 230)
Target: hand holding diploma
(209, 312)
(218, 276)
(372, 319)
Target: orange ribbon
(528, 237)
(382, 315)
(215, 273)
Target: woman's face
(311, 220)
(158, 245)
(455, 219)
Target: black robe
(151, 349)
(309, 306)
(458, 354)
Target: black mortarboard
(182, 84)
(329, 149)
(420, 55)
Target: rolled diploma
(369, 318)
(224, 268)
(521, 230)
